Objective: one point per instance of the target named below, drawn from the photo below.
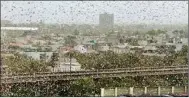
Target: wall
(110, 92)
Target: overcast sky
(166, 12)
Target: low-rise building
(120, 49)
(104, 48)
(134, 49)
(80, 48)
(178, 47)
(66, 67)
(38, 55)
(184, 41)
(142, 42)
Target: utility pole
(70, 63)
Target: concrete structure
(106, 22)
(14, 31)
(37, 55)
(150, 49)
(40, 42)
(120, 49)
(65, 67)
(178, 47)
(20, 28)
(134, 49)
(110, 92)
(142, 42)
(104, 48)
(184, 41)
(80, 48)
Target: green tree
(83, 88)
(184, 50)
(76, 32)
(13, 47)
(19, 64)
(160, 31)
(152, 32)
(46, 37)
(54, 60)
(70, 41)
(181, 57)
(39, 49)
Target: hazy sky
(166, 12)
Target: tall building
(106, 22)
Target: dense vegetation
(21, 64)
(93, 61)
(111, 60)
(91, 87)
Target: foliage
(21, 64)
(13, 47)
(156, 32)
(70, 41)
(84, 87)
(106, 60)
(76, 32)
(46, 37)
(109, 60)
(132, 41)
(54, 59)
(89, 87)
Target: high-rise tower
(106, 22)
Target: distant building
(65, 65)
(80, 48)
(106, 22)
(5, 22)
(120, 48)
(20, 28)
(9, 32)
(178, 47)
(184, 41)
(142, 42)
(38, 55)
(104, 48)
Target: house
(170, 34)
(6, 54)
(65, 49)
(21, 40)
(54, 47)
(80, 48)
(14, 46)
(142, 42)
(62, 51)
(184, 41)
(104, 48)
(38, 55)
(40, 42)
(134, 49)
(4, 47)
(28, 48)
(120, 49)
(178, 47)
(161, 39)
(150, 49)
(68, 65)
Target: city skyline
(85, 12)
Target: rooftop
(19, 28)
